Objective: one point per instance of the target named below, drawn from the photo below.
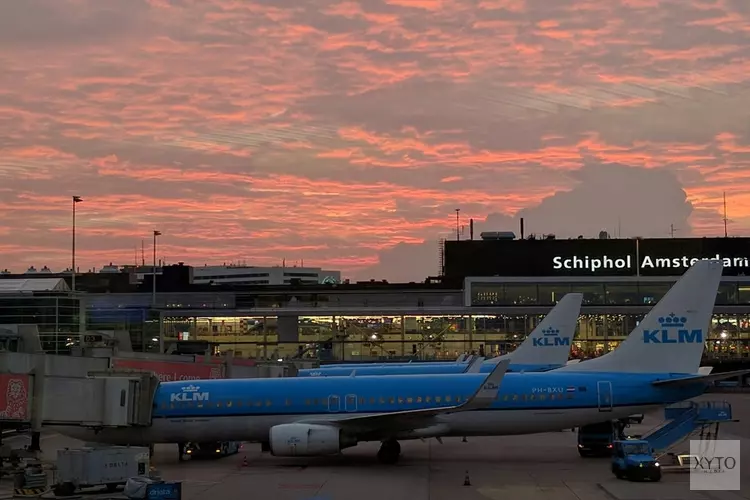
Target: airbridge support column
(288, 329)
(37, 404)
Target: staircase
(689, 419)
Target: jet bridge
(99, 400)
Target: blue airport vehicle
(633, 459)
(313, 416)
(546, 348)
(701, 418)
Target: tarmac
(535, 467)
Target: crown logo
(550, 332)
(190, 388)
(672, 321)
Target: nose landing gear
(389, 452)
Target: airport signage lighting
(644, 262)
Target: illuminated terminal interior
(424, 337)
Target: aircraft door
(333, 403)
(604, 393)
(351, 402)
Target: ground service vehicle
(596, 440)
(633, 460)
(213, 449)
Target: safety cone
(244, 461)
(464, 440)
(467, 481)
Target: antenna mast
(143, 254)
(725, 214)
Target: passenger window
(361, 401)
(458, 399)
(506, 397)
(307, 402)
(382, 400)
(288, 402)
(400, 400)
(171, 406)
(372, 401)
(542, 397)
(259, 403)
(438, 399)
(239, 403)
(268, 402)
(164, 406)
(427, 399)
(419, 399)
(532, 397)
(524, 397)
(409, 400)
(447, 399)
(570, 396)
(229, 404)
(392, 400)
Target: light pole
(458, 225)
(153, 270)
(76, 199)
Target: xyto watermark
(715, 465)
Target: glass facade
(424, 337)
(55, 315)
(594, 293)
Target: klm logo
(550, 338)
(673, 331)
(315, 374)
(189, 394)
(489, 386)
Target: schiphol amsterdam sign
(595, 264)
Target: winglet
(486, 393)
(475, 366)
(353, 373)
(461, 358)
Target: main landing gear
(389, 452)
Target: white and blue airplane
(546, 348)
(657, 365)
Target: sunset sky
(347, 133)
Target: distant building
(253, 275)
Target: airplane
(546, 348)
(657, 365)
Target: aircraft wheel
(389, 452)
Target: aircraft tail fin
(550, 342)
(475, 366)
(707, 379)
(671, 337)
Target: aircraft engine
(306, 440)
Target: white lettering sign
(604, 262)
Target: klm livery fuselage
(246, 409)
(426, 368)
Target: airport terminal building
(492, 294)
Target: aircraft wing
(706, 379)
(483, 397)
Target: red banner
(171, 371)
(14, 396)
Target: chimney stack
(471, 229)
(522, 228)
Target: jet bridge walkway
(98, 400)
(689, 420)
